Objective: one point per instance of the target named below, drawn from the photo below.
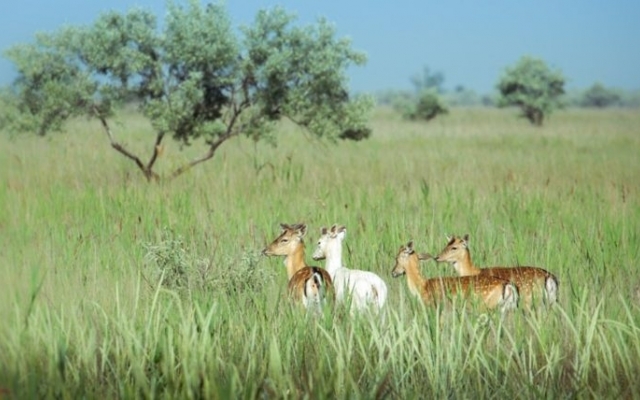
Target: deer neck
(414, 278)
(334, 259)
(464, 266)
(294, 262)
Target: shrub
(171, 264)
(428, 106)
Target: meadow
(116, 288)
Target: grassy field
(85, 243)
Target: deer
(366, 290)
(307, 284)
(491, 292)
(531, 281)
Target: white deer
(367, 290)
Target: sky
(470, 41)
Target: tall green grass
(112, 287)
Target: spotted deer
(491, 292)
(366, 290)
(311, 286)
(533, 283)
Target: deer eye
(454, 248)
(284, 240)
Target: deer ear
(284, 227)
(342, 232)
(302, 229)
(450, 239)
(465, 240)
(323, 231)
(333, 228)
(410, 246)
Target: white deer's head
(330, 241)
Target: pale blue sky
(470, 41)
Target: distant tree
(488, 100)
(462, 97)
(198, 78)
(599, 96)
(428, 81)
(532, 86)
(428, 106)
(427, 102)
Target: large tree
(532, 86)
(197, 77)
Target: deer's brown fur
(307, 284)
(490, 291)
(532, 282)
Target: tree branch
(213, 146)
(212, 149)
(157, 149)
(117, 146)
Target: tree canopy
(425, 103)
(600, 96)
(197, 78)
(531, 85)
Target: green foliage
(532, 86)
(196, 78)
(9, 113)
(356, 134)
(52, 85)
(599, 96)
(174, 265)
(425, 103)
(428, 106)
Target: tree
(428, 81)
(532, 86)
(428, 106)
(196, 79)
(600, 97)
(427, 103)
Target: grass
(116, 288)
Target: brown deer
(532, 282)
(492, 292)
(309, 285)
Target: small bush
(173, 265)
(169, 262)
(428, 106)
